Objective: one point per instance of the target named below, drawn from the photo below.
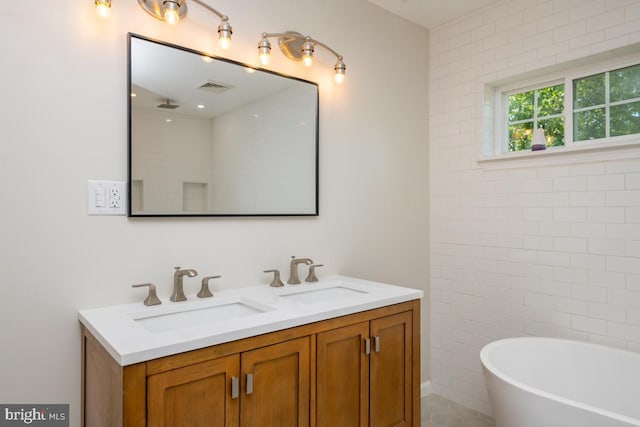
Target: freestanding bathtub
(548, 382)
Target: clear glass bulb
(264, 58)
(307, 60)
(171, 15)
(339, 78)
(103, 9)
(225, 42)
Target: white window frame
(499, 137)
(504, 131)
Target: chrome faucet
(293, 270)
(178, 292)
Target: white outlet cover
(115, 194)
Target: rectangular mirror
(213, 137)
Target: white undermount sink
(323, 295)
(198, 315)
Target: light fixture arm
(299, 47)
(171, 11)
(318, 43)
(292, 35)
(212, 10)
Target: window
(607, 104)
(572, 109)
(533, 109)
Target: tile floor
(440, 412)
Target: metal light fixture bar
(171, 11)
(298, 47)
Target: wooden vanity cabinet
(317, 374)
(364, 373)
(195, 395)
(207, 394)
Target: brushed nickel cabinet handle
(235, 387)
(249, 384)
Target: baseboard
(425, 389)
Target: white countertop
(124, 331)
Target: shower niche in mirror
(213, 137)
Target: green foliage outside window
(533, 109)
(592, 112)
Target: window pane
(520, 136)
(521, 106)
(589, 125)
(588, 91)
(625, 119)
(554, 131)
(625, 83)
(551, 100)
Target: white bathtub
(547, 382)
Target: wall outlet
(107, 198)
(115, 197)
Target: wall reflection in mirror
(213, 137)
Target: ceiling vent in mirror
(216, 87)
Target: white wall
(542, 250)
(64, 122)
(251, 158)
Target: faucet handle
(311, 277)
(204, 290)
(152, 297)
(276, 282)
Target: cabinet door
(196, 396)
(276, 385)
(390, 371)
(343, 377)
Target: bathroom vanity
(342, 352)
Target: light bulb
(224, 33)
(225, 42)
(171, 12)
(307, 60)
(307, 53)
(103, 8)
(340, 69)
(264, 50)
(264, 58)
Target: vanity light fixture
(171, 11)
(298, 47)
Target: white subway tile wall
(548, 250)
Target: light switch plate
(107, 198)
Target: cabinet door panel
(343, 377)
(390, 371)
(195, 396)
(280, 396)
